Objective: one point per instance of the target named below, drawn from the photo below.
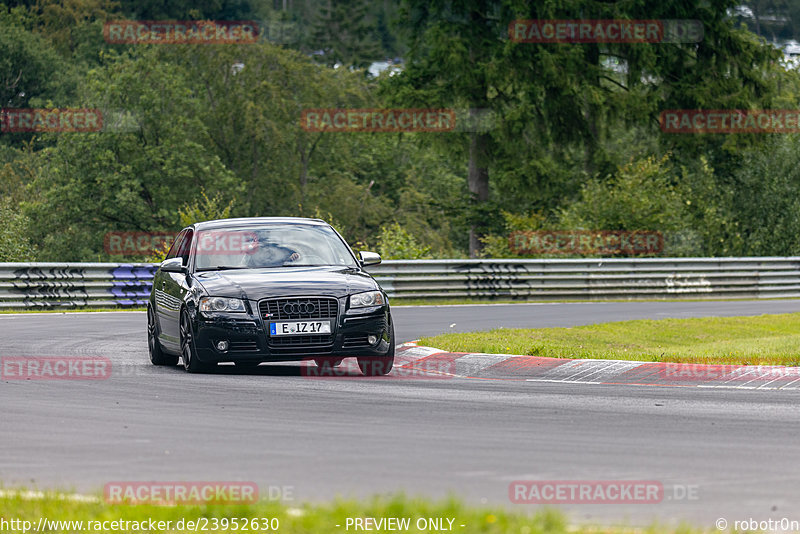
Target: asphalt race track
(719, 453)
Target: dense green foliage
(570, 139)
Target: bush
(14, 242)
(766, 208)
(641, 196)
(204, 209)
(395, 243)
(497, 246)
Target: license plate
(299, 328)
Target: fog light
(222, 346)
(372, 339)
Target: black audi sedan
(267, 289)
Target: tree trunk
(757, 17)
(478, 181)
(592, 132)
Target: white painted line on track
(789, 384)
(733, 378)
(613, 368)
(764, 386)
(471, 364)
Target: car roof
(250, 221)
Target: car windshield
(274, 245)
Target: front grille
(244, 346)
(294, 341)
(297, 349)
(309, 309)
(323, 308)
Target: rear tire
(157, 354)
(188, 353)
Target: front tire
(188, 352)
(379, 365)
(157, 354)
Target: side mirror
(173, 265)
(369, 258)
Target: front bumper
(249, 339)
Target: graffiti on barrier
(684, 283)
(58, 273)
(493, 276)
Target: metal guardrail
(49, 285)
(53, 285)
(586, 279)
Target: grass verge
(758, 340)
(317, 519)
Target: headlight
(370, 298)
(221, 304)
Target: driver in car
(270, 254)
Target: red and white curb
(580, 371)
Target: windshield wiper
(289, 265)
(223, 268)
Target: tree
(29, 67)
(74, 26)
(187, 9)
(552, 97)
(133, 179)
(344, 33)
(252, 115)
(766, 206)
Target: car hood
(257, 284)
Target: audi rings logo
(299, 308)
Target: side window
(186, 246)
(176, 245)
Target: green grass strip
(301, 519)
(758, 340)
